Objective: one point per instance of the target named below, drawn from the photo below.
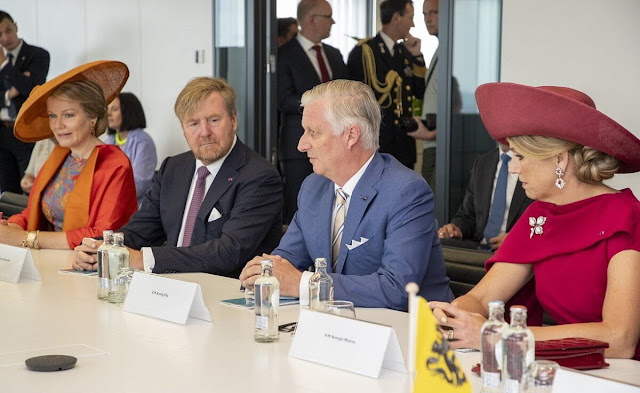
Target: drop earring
(560, 183)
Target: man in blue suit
(364, 211)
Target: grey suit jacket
(473, 214)
(247, 191)
(296, 75)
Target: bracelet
(36, 242)
(30, 240)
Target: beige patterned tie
(338, 224)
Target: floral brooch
(536, 225)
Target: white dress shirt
(348, 188)
(148, 259)
(389, 43)
(307, 46)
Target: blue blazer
(393, 208)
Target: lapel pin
(230, 179)
(381, 44)
(363, 197)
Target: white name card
(165, 298)
(347, 344)
(16, 262)
(569, 381)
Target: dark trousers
(14, 159)
(293, 174)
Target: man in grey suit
(468, 227)
(367, 214)
(214, 206)
(303, 62)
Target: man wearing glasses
(303, 63)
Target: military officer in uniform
(395, 71)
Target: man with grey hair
(304, 62)
(368, 215)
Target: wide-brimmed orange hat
(32, 123)
(510, 109)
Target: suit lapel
(334, 62)
(22, 55)
(363, 195)
(308, 67)
(320, 218)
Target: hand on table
(285, 272)
(466, 325)
(85, 257)
(11, 234)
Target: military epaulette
(364, 40)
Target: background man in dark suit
(470, 222)
(303, 63)
(395, 72)
(215, 206)
(22, 67)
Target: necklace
(119, 141)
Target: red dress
(570, 252)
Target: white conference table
(125, 352)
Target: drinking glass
(539, 377)
(340, 307)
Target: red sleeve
(113, 201)
(20, 218)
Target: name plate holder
(348, 344)
(16, 262)
(165, 298)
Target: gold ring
(450, 334)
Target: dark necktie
(10, 58)
(194, 208)
(499, 204)
(324, 72)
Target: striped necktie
(338, 224)
(194, 207)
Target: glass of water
(539, 377)
(340, 307)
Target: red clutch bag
(574, 352)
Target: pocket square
(355, 243)
(215, 214)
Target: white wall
(590, 45)
(157, 39)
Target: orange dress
(104, 196)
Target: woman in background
(126, 130)
(41, 152)
(85, 187)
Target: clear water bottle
(320, 286)
(103, 265)
(490, 341)
(518, 347)
(118, 259)
(123, 281)
(267, 295)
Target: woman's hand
(466, 325)
(11, 234)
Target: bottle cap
(266, 263)
(321, 262)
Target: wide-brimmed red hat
(510, 109)
(32, 122)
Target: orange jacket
(104, 196)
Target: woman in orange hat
(85, 186)
(576, 250)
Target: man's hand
(413, 45)
(450, 231)
(422, 132)
(13, 93)
(135, 259)
(285, 272)
(85, 255)
(497, 241)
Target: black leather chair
(465, 268)
(12, 203)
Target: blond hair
(90, 96)
(592, 166)
(349, 103)
(198, 89)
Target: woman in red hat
(576, 250)
(85, 186)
